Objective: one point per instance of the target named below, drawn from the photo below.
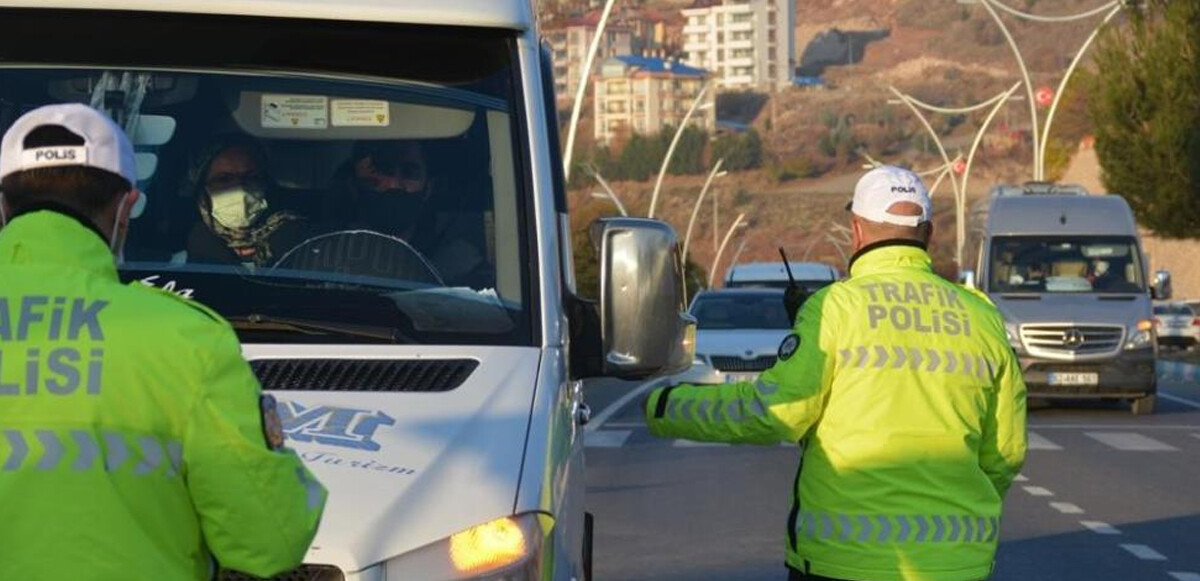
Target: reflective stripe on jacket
(910, 407)
(131, 441)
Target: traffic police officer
(906, 397)
(133, 440)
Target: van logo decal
(333, 426)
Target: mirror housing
(968, 278)
(645, 331)
(1162, 285)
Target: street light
(697, 105)
(737, 224)
(584, 76)
(1039, 140)
(608, 191)
(712, 175)
(614, 199)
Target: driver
(387, 188)
(230, 184)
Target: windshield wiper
(259, 322)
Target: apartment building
(745, 44)
(643, 95)
(569, 43)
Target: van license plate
(740, 377)
(1074, 379)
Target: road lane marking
(1130, 442)
(599, 419)
(1144, 552)
(606, 438)
(1066, 508)
(1185, 576)
(1179, 400)
(691, 444)
(1037, 491)
(1100, 527)
(1039, 442)
(1023, 478)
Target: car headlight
(699, 360)
(1141, 336)
(505, 549)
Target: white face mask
(237, 208)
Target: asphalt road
(1103, 495)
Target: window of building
(740, 18)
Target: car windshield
(310, 183)
(810, 286)
(1022, 264)
(1173, 310)
(740, 311)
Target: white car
(1177, 324)
(738, 333)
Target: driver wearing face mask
(237, 221)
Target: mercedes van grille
(303, 573)
(363, 374)
(737, 364)
(1065, 341)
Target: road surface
(1104, 495)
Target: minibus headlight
(1141, 336)
(504, 549)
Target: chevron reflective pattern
(878, 528)
(82, 450)
(916, 359)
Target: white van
(1068, 272)
(371, 192)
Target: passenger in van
(239, 222)
(388, 188)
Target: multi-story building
(746, 44)
(643, 95)
(569, 43)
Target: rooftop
(657, 66)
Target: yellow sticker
(360, 113)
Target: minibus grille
(377, 375)
(1070, 341)
(302, 573)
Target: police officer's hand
(793, 299)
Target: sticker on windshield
(789, 346)
(359, 113)
(295, 112)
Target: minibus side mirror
(645, 331)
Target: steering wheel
(362, 253)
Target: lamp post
(584, 75)
(1040, 138)
(960, 189)
(687, 236)
(608, 191)
(697, 105)
(712, 272)
(614, 199)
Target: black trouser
(794, 575)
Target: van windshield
(308, 194)
(1065, 265)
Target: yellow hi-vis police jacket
(131, 441)
(909, 403)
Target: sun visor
(292, 116)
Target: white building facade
(744, 44)
(644, 95)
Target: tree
(1145, 107)
(740, 151)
